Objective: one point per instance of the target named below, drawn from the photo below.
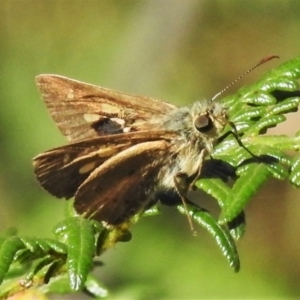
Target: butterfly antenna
(264, 60)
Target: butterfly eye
(203, 123)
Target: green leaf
(289, 69)
(253, 110)
(248, 114)
(278, 171)
(30, 244)
(56, 246)
(265, 123)
(7, 253)
(81, 250)
(220, 191)
(286, 106)
(252, 177)
(295, 171)
(214, 187)
(279, 142)
(220, 234)
(261, 98)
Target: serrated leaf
(278, 171)
(219, 190)
(282, 83)
(220, 234)
(248, 114)
(232, 153)
(295, 172)
(223, 150)
(242, 127)
(214, 187)
(30, 244)
(278, 142)
(7, 253)
(252, 177)
(289, 105)
(56, 246)
(290, 69)
(273, 154)
(81, 250)
(261, 98)
(265, 123)
(43, 245)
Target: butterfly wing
(83, 111)
(62, 170)
(123, 185)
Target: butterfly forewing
(83, 111)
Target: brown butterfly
(126, 152)
(124, 149)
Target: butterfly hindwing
(62, 170)
(123, 185)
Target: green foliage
(232, 177)
(253, 110)
(68, 256)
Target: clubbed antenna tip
(264, 60)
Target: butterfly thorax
(199, 127)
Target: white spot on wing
(126, 129)
(87, 168)
(91, 117)
(107, 152)
(70, 94)
(119, 121)
(109, 108)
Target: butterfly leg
(184, 182)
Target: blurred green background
(176, 50)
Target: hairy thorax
(198, 129)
